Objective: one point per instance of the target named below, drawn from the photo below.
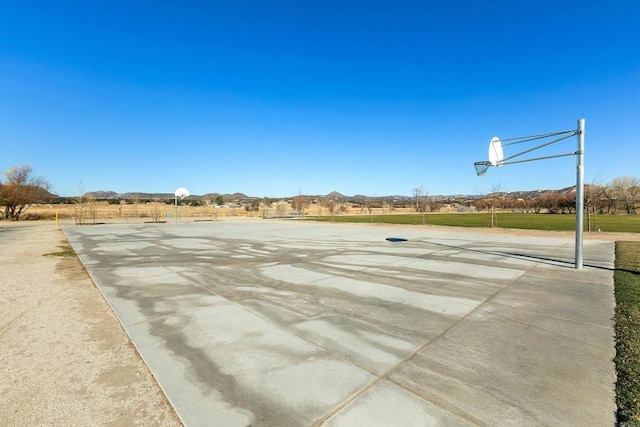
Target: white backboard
(181, 192)
(496, 154)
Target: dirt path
(64, 358)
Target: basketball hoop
(481, 167)
(496, 158)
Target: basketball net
(481, 167)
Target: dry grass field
(155, 211)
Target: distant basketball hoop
(181, 192)
(496, 158)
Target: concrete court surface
(299, 323)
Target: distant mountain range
(110, 195)
(107, 195)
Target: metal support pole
(579, 193)
(176, 199)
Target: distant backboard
(496, 154)
(181, 192)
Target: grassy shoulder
(627, 326)
(65, 250)
(605, 223)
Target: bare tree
(565, 203)
(388, 206)
(368, 205)
(591, 194)
(590, 202)
(634, 198)
(21, 190)
(300, 203)
(156, 209)
(281, 208)
(421, 202)
(434, 206)
(480, 203)
(417, 195)
(85, 208)
(490, 201)
(331, 204)
(626, 191)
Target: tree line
(621, 195)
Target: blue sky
(285, 97)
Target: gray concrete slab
(298, 323)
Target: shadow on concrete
(544, 260)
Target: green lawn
(627, 325)
(606, 223)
